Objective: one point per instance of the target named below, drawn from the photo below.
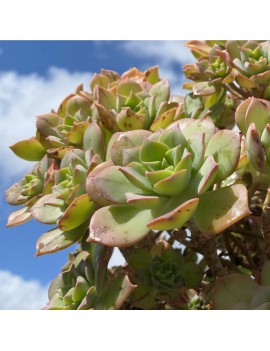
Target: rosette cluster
(162, 180)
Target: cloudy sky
(34, 78)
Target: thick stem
(209, 251)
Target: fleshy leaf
(258, 113)
(144, 201)
(109, 186)
(29, 150)
(93, 139)
(77, 213)
(127, 86)
(221, 208)
(176, 218)
(225, 148)
(135, 173)
(121, 141)
(152, 151)
(163, 120)
(240, 115)
(119, 225)
(55, 239)
(106, 98)
(117, 293)
(203, 89)
(206, 176)
(45, 213)
(232, 290)
(255, 150)
(75, 135)
(174, 184)
(161, 91)
(128, 120)
(18, 217)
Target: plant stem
(209, 251)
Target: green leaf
(203, 89)
(119, 225)
(55, 239)
(152, 151)
(46, 123)
(156, 176)
(176, 218)
(135, 173)
(106, 98)
(151, 74)
(117, 293)
(190, 128)
(29, 150)
(45, 213)
(76, 133)
(93, 139)
(13, 194)
(161, 91)
(231, 290)
(174, 184)
(100, 80)
(77, 213)
(192, 274)
(221, 208)
(124, 140)
(206, 176)
(129, 120)
(240, 115)
(258, 112)
(255, 150)
(109, 186)
(163, 120)
(127, 86)
(145, 201)
(140, 258)
(225, 148)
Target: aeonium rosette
(85, 283)
(161, 180)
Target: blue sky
(34, 77)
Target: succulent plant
(162, 275)
(252, 118)
(67, 205)
(241, 292)
(136, 100)
(30, 189)
(165, 182)
(165, 179)
(60, 131)
(211, 72)
(220, 107)
(250, 60)
(238, 66)
(86, 284)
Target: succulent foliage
(179, 184)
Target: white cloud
(19, 294)
(22, 97)
(167, 53)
